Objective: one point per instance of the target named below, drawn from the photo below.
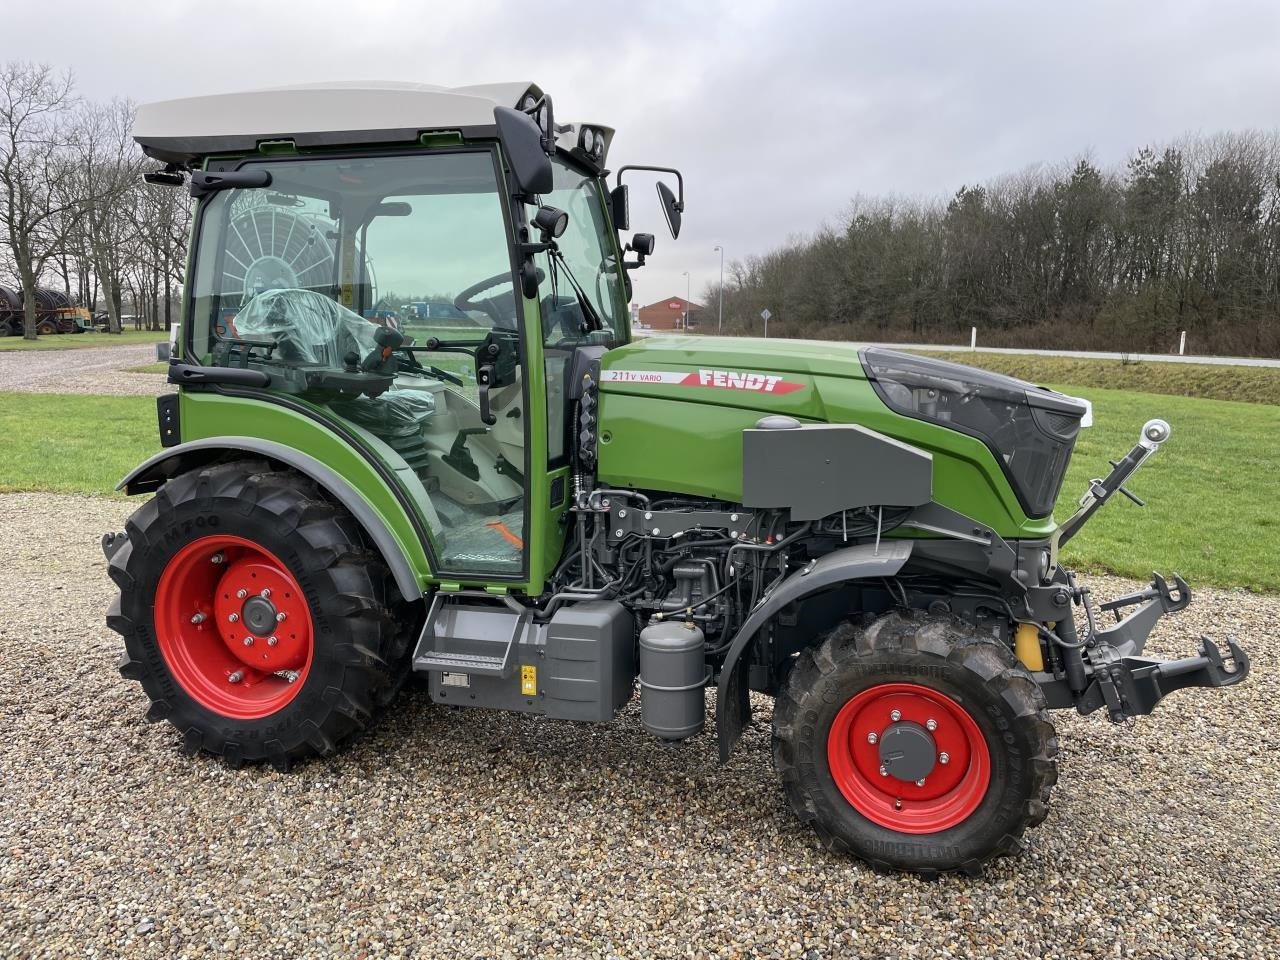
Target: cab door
(305, 280)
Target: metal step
(471, 632)
(461, 663)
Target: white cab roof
(318, 114)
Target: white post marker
(973, 338)
(1182, 344)
(765, 315)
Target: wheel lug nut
(884, 771)
(216, 558)
(931, 724)
(266, 592)
(197, 618)
(895, 715)
(944, 758)
(280, 617)
(236, 677)
(273, 640)
(920, 782)
(241, 593)
(233, 617)
(248, 641)
(871, 737)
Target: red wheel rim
(952, 790)
(216, 593)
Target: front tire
(253, 615)
(914, 744)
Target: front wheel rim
(862, 763)
(233, 627)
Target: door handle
(484, 377)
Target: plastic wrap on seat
(396, 411)
(307, 327)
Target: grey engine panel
(821, 469)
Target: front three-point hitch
(1105, 669)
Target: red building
(670, 314)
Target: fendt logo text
(716, 379)
(765, 382)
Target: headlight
(588, 140)
(1030, 430)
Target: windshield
(587, 250)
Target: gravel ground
(455, 834)
(101, 370)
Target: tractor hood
(673, 381)
(742, 353)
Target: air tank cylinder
(672, 676)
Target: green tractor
(514, 499)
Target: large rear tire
(914, 744)
(254, 616)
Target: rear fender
(151, 474)
(733, 708)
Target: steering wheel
(491, 306)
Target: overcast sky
(778, 113)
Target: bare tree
(37, 208)
(107, 180)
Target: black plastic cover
(1031, 430)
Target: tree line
(1183, 237)
(75, 213)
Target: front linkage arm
(1106, 669)
(1129, 685)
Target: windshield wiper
(589, 311)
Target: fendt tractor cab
(413, 434)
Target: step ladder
(471, 632)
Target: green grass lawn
(1211, 490)
(1211, 381)
(78, 341)
(73, 444)
(161, 367)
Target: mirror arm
(643, 166)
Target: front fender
(152, 473)
(733, 707)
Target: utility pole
(720, 321)
(688, 289)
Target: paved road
(1082, 354)
(1103, 355)
(100, 370)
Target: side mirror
(522, 143)
(672, 205)
(620, 204)
(671, 208)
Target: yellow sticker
(528, 681)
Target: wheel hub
(233, 626)
(259, 615)
(907, 751)
(909, 758)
